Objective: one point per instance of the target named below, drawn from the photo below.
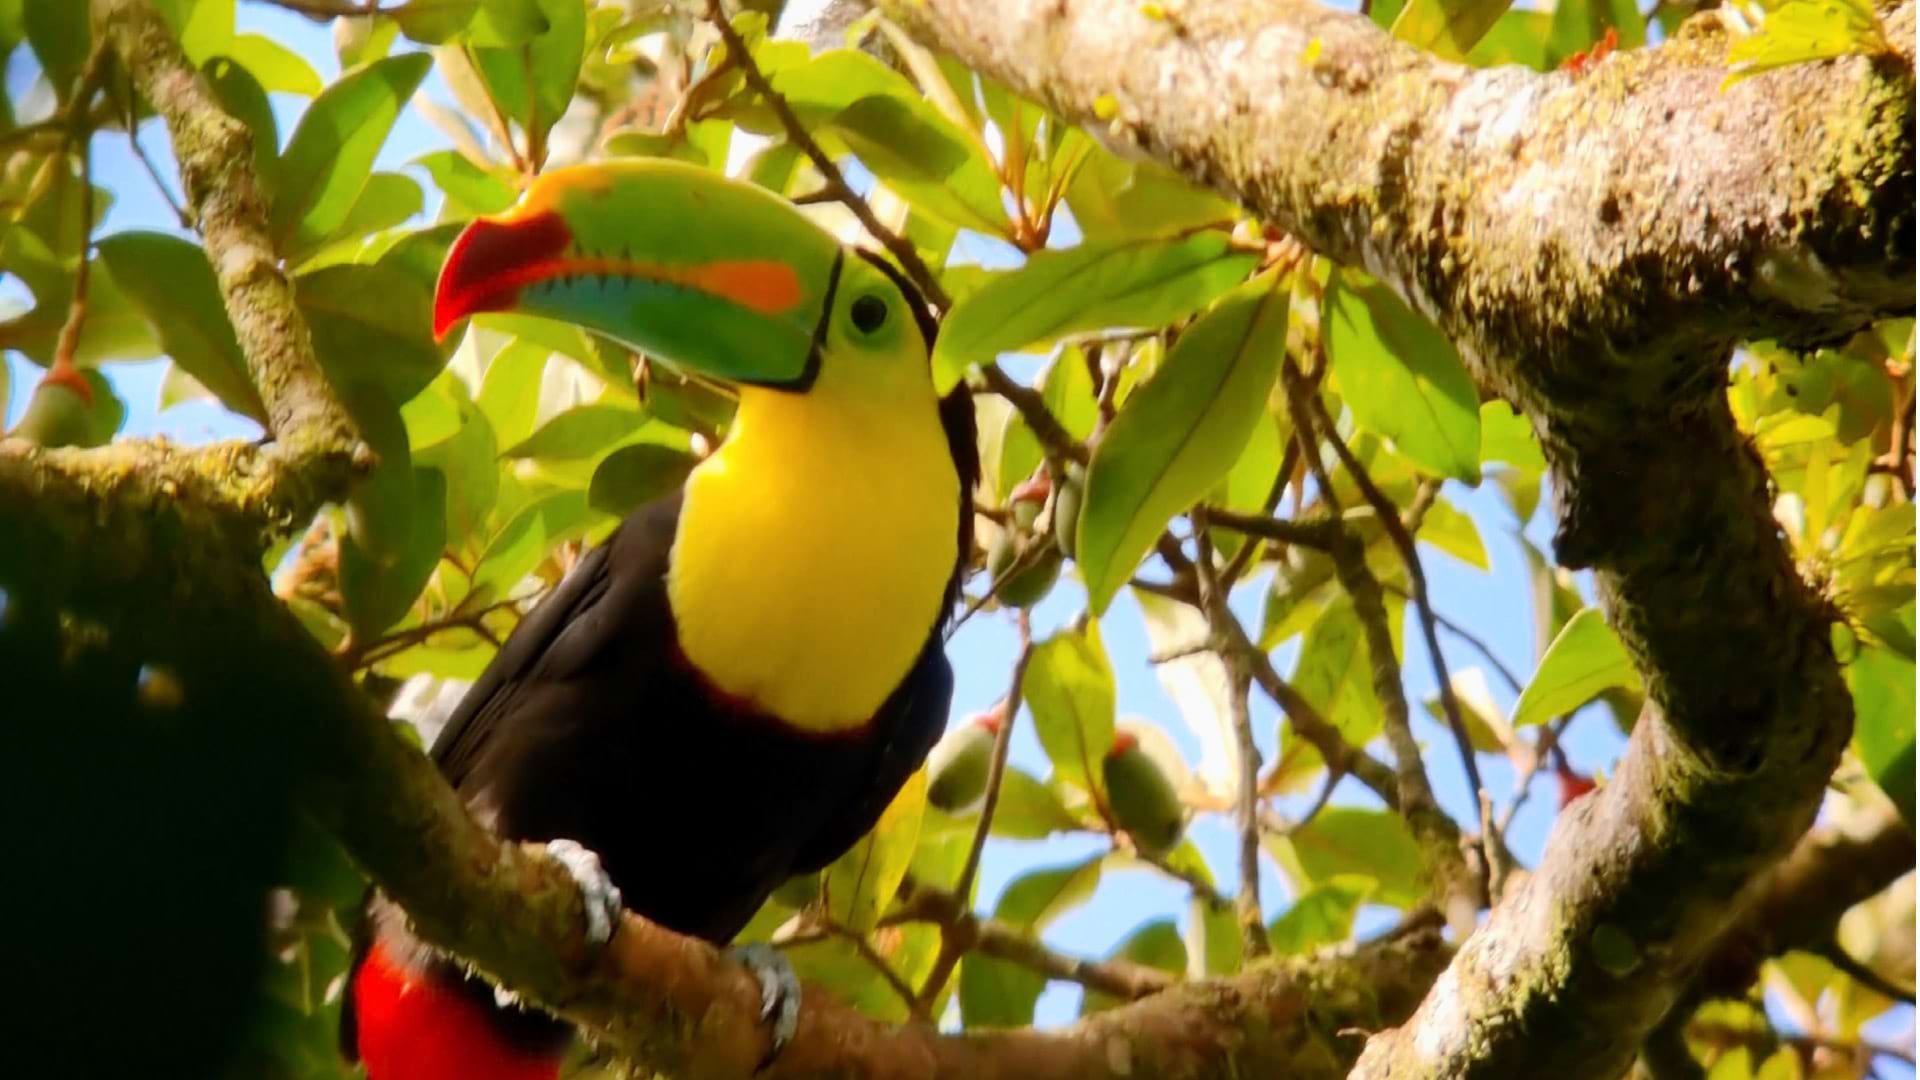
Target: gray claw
(598, 894)
(779, 993)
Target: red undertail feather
(411, 1029)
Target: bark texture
(1595, 244)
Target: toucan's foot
(598, 894)
(779, 993)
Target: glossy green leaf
(1028, 809)
(378, 586)
(532, 83)
(171, 283)
(431, 22)
(470, 190)
(1036, 898)
(332, 151)
(1801, 31)
(997, 993)
(204, 27)
(860, 883)
(274, 66)
(633, 476)
(1069, 689)
(527, 538)
(917, 154)
(1113, 199)
(1585, 659)
(583, 431)
(1401, 377)
(1147, 282)
(1449, 530)
(1883, 706)
(387, 201)
(1155, 944)
(61, 38)
(1351, 840)
(1179, 434)
(1323, 915)
(1447, 28)
(1335, 674)
(510, 389)
(371, 324)
(1506, 437)
(469, 460)
(506, 22)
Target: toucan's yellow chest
(813, 553)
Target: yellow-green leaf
(1069, 688)
(1447, 28)
(861, 882)
(1801, 31)
(1401, 377)
(331, 154)
(1178, 435)
(1585, 659)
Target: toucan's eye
(869, 313)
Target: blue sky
(1496, 605)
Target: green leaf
(1034, 899)
(1323, 915)
(470, 190)
(860, 883)
(1148, 282)
(533, 83)
(1518, 37)
(1507, 437)
(1447, 28)
(1178, 435)
(928, 163)
(1883, 706)
(1154, 944)
(1401, 377)
(633, 476)
(527, 538)
(1028, 809)
(1113, 199)
(1069, 688)
(1801, 31)
(331, 154)
(274, 66)
(387, 201)
(1453, 532)
(583, 431)
(362, 40)
(1585, 659)
(431, 22)
(371, 324)
(1334, 673)
(61, 38)
(171, 283)
(469, 462)
(506, 22)
(378, 587)
(1344, 840)
(997, 993)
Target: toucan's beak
(717, 276)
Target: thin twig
(901, 249)
(1317, 534)
(1033, 409)
(954, 944)
(1473, 640)
(1202, 888)
(1853, 969)
(1289, 460)
(334, 9)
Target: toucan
(731, 688)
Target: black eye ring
(869, 313)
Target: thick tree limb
(1595, 245)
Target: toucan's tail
(409, 1016)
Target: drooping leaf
(1352, 840)
(860, 883)
(331, 154)
(532, 83)
(1585, 659)
(1883, 707)
(635, 475)
(1179, 434)
(583, 431)
(170, 282)
(1323, 915)
(1146, 282)
(1401, 377)
(1036, 898)
(1451, 531)
(1069, 688)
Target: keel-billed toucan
(732, 687)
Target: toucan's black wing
(562, 634)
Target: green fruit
(958, 767)
(57, 415)
(1029, 585)
(1143, 800)
(1025, 513)
(1066, 509)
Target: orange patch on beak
(759, 285)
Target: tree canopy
(1264, 306)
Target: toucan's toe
(598, 894)
(779, 994)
